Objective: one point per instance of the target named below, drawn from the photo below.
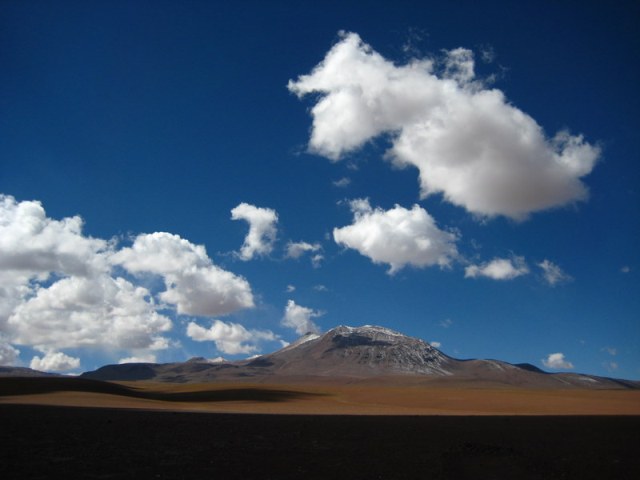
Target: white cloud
(194, 285)
(446, 323)
(54, 362)
(299, 318)
(397, 237)
(144, 358)
(61, 289)
(161, 253)
(610, 366)
(552, 273)
(8, 354)
(290, 288)
(557, 362)
(342, 183)
(230, 338)
(297, 249)
(435, 344)
(33, 245)
(262, 229)
(316, 260)
(610, 350)
(100, 312)
(468, 142)
(499, 269)
(625, 269)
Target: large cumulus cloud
(194, 284)
(466, 140)
(61, 289)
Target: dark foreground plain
(70, 442)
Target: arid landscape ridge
(369, 354)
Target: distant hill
(368, 353)
(24, 372)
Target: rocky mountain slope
(351, 354)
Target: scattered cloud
(320, 288)
(194, 285)
(625, 269)
(610, 350)
(610, 366)
(316, 260)
(446, 323)
(79, 312)
(487, 54)
(300, 318)
(54, 362)
(397, 237)
(290, 288)
(33, 245)
(499, 269)
(342, 183)
(230, 338)
(297, 249)
(468, 142)
(552, 273)
(435, 344)
(62, 289)
(146, 358)
(557, 361)
(8, 354)
(262, 230)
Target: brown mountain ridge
(366, 354)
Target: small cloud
(435, 344)
(610, 366)
(262, 230)
(148, 358)
(54, 362)
(552, 273)
(610, 350)
(499, 269)
(290, 288)
(557, 362)
(487, 54)
(625, 269)
(297, 249)
(320, 288)
(342, 183)
(299, 318)
(446, 323)
(8, 354)
(230, 338)
(316, 260)
(398, 237)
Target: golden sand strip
(353, 400)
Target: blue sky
(212, 179)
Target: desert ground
(389, 396)
(89, 429)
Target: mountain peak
(358, 351)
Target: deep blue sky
(145, 117)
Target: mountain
(358, 354)
(24, 372)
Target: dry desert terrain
(57, 428)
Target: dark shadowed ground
(46, 442)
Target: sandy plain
(328, 398)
